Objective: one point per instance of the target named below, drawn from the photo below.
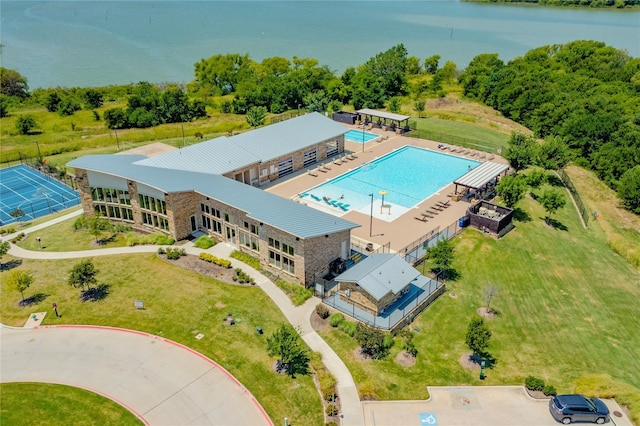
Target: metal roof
(285, 137)
(381, 273)
(281, 213)
(383, 114)
(481, 175)
(217, 156)
(226, 154)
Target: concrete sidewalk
(158, 380)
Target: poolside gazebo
(384, 119)
(481, 179)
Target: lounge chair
(429, 213)
(422, 219)
(444, 204)
(312, 174)
(321, 168)
(332, 203)
(483, 156)
(345, 207)
(338, 204)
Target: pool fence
(478, 145)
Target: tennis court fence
(52, 172)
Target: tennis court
(33, 193)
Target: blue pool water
(356, 136)
(409, 175)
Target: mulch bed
(208, 269)
(536, 394)
(405, 359)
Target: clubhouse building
(213, 187)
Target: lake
(94, 43)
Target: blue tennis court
(32, 192)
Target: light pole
(371, 217)
(299, 110)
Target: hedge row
(212, 259)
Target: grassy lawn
(463, 130)
(567, 309)
(179, 304)
(51, 404)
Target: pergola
(383, 117)
(482, 177)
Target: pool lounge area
(360, 136)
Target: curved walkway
(300, 316)
(158, 380)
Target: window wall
(154, 212)
(281, 256)
(112, 203)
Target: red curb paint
(171, 342)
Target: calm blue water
(34, 193)
(359, 135)
(95, 43)
(409, 175)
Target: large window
(154, 212)
(112, 203)
(279, 256)
(249, 241)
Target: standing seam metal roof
(381, 273)
(226, 154)
(289, 216)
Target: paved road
(160, 381)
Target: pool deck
(405, 228)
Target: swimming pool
(357, 136)
(409, 175)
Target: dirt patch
(208, 269)
(486, 313)
(220, 305)
(469, 361)
(361, 356)
(318, 323)
(405, 359)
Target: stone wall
(322, 250)
(180, 207)
(85, 191)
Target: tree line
(619, 4)
(584, 94)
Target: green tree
(115, 118)
(442, 257)
(25, 123)
(68, 107)
(552, 200)
(256, 116)
(389, 70)
(413, 66)
(511, 189)
(316, 101)
(536, 178)
(521, 151)
(4, 249)
(553, 153)
(4, 106)
(97, 225)
(419, 106)
(478, 335)
(394, 105)
(83, 274)
(476, 77)
(372, 341)
(286, 345)
(52, 102)
(222, 74)
(431, 64)
(448, 71)
(19, 280)
(12, 83)
(17, 213)
(629, 189)
(93, 98)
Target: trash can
(463, 222)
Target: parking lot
(471, 406)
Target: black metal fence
(414, 252)
(456, 140)
(584, 213)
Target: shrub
(164, 240)
(348, 327)
(388, 341)
(212, 259)
(17, 238)
(80, 223)
(204, 242)
(549, 390)
(243, 277)
(331, 410)
(322, 311)
(336, 319)
(534, 383)
(245, 258)
(331, 424)
(329, 395)
(175, 253)
(410, 348)
(161, 250)
(373, 341)
(367, 390)
(296, 292)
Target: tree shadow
(36, 298)
(521, 215)
(554, 180)
(489, 360)
(556, 224)
(10, 264)
(95, 294)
